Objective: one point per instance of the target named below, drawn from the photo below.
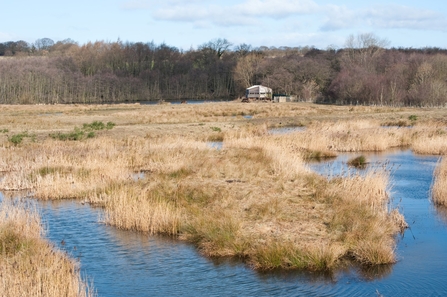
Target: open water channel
(122, 263)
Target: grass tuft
(358, 162)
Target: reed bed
(29, 266)
(254, 199)
(430, 140)
(355, 136)
(439, 188)
(59, 170)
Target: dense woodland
(363, 72)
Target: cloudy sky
(189, 23)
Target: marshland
(257, 200)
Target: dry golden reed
(29, 266)
(255, 198)
(439, 188)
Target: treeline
(364, 72)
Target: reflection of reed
(314, 277)
(366, 273)
(375, 272)
(441, 212)
(15, 194)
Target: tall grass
(431, 144)
(439, 188)
(29, 266)
(255, 199)
(139, 208)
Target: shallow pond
(122, 263)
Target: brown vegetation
(362, 73)
(29, 266)
(254, 198)
(439, 188)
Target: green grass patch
(413, 117)
(17, 139)
(77, 134)
(87, 131)
(97, 125)
(216, 129)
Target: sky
(187, 24)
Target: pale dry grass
(59, 170)
(134, 207)
(439, 188)
(29, 266)
(354, 135)
(430, 144)
(254, 199)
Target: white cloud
(282, 22)
(384, 17)
(339, 17)
(396, 16)
(275, 8)
(183, 13)
(247, 13)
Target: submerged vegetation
(254, 199)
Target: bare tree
(363, 48)
(246, 68)
(218, 46)
(43, 44)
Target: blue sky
(189, 23)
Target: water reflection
(375, 272)
(441, 212)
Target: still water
(122, 263)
